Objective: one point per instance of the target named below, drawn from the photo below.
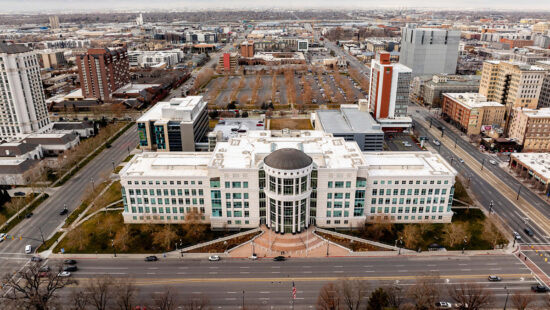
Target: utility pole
(93, 184)
(452, 158)
(491, 207)
(327, 247)
(243, 301)
(506, 301)
(456, 141)
(482, 164)
(41, 235)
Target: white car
(2, 237)
(436, 142)
(492, 162)
(64, 274)
(516, 235)
(461, 160)
(214, 258)
(253, 257)
(443, 305)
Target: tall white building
(429, 51)
(288, 180)
(23, 107)
(54, 22)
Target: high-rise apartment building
(23, 107)
(429, 51)
(389, 88)
(102, 71)
(54, 22)
(515, 85)
(544, 98)
(531, 129)
(228, 62)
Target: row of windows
(161, 210)
(166, 182)
(166, 192)
(339, 184)
(407, 201)
(167, 201)
(417, 191)
(390, 182)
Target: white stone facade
(238, 186)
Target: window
(339, 184)
(236, 184)
(330, 184)
(245, 184)
(227, 185)
(348, 184)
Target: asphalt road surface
(268, 285)
(46, 218)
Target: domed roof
(288, 159)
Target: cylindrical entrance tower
(288, 190)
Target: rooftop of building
(177, 109)
(538, 162)
(450, 80)
(407, 164)
(72, 125)
(50, 138)
(521, 65)
(16, 165)
(537, 113)
(13, 149)
(13, 48)
(349, 119)
(132, 88)
(172, 164)
(230, 127)
(472, 100)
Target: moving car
(214, 258)
(436, 142)
(494, 278)
(253, 257)
(529, 232)
(64, 274)
(28, 249)
(492, 162)
(443, 305)
(70, 268)
(461, 160)
(151, 258)
(28, 215)
(516, 235)
(279, 258)
(2, 237)
(539, 288)
(64, 211)
(36, 259)
(69, 262)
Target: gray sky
(79, 5)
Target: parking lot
(400, 142)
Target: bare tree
(99, 291)
(165, 301)
(352, 294)
(425, 292)
(410, 236)
(470, 296)
(454, 233)
(328, 298)
(200, 303)
(31, 288)
(164, 237)
(521, 300)
(78, 299)
(395, 296)
(125, 291)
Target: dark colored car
(539, 288)
(279, 258)
(28, 215)
(63, 212)
(36, 259)
(19, 194)
(494, 278)
(70, 268)
(151, 258)
(69, 262)
(529, 232)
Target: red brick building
(247, 49)
(102, 71)
(517, 43)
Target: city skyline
(168, 5)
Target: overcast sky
(77, 5)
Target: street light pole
(506, 301)
(93, 185)
(327, 248)
(243, 301)
(519, 191)
(482, 163)
(456, 141)
(113, 162)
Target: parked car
(70, 268)
(69, 262)
(517, 236)
(28, 249)
(253, 257)
(279, 258)
(436, 142)
(494, 278)
(493, 162)
(214, 258)
(19, 194)
(461, 160)
(443, 305)
(151, 258)
(36, 259)
(64, 274)
(43, 274)
(539, 288)
(28, 215)
(45, 268)
(2, 237)
(529, 232)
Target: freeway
(46, 218)
(268, 283)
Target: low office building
(535, 167)
(288, 180)
(472, 113)
(83, 129)
(174, 126)
(21, 150)
(531, 129)
(433, 90)
(54, 144)
(18, 171)
(353, 125)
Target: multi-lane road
(268, 284)
(46, 218)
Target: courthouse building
(288, 180)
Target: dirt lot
(282, 123)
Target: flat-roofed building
(176, 125)
(534, 167)
(288, 180)
(531, 129)
(353, 125)
(472, 113)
